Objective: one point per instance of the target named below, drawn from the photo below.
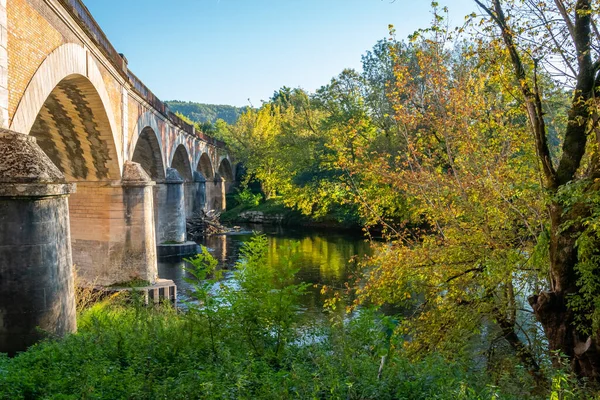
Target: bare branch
(547, 26)
(563, 11)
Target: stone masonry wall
(110, 232)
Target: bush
(248, 199)
(236, 341)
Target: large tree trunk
(551, 307)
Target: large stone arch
(180, 160)
(69, 83)
(205, 166)
(148, 153)
(225, 170)
(147, 120)
(67, 109)
(72, 128)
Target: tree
(471, 182)
(253, 140)
(562, 37)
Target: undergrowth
(241, 341)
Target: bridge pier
(112, 229)
(189, 193)
(169, 209)
(217, 199)
(170, 217)
(199, 199)
(36, 278)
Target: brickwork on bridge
(71, 90)
(4, 122)
(31, 38)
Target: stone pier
(112, 229)
(217, 194)
(200, 194)
(170, 217)
(36, 277)
(169, 210)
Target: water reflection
(321, 257)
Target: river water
(322, 258)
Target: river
(322, 258)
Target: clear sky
(229, 51)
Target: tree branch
(576, 131)
(565, 15)
(476, 269)
(532, 98)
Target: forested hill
(200, 113)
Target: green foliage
(247, 199)
(122, 352)
(203, 275)
(264, 305)
(201, 113)
(242, 341)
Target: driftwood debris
(205, 224)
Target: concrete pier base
(36, 277)
(161, 290)
(178, 249)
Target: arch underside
(73, 129)
(181, 163)
(205, 166)
(225, 170)
(148, 154)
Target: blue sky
(229, 51)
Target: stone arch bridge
(95, 171)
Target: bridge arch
(73, 129)
(67, 109)
(205, 166)
(148, 153)
(180, 160)
(147, 120)
(226, 171)
(69, 86)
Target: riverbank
(274, 212)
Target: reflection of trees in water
(321, 258)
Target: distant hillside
(200, 113)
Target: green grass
(125, 352)
(134, 283)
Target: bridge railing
(85, 20)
